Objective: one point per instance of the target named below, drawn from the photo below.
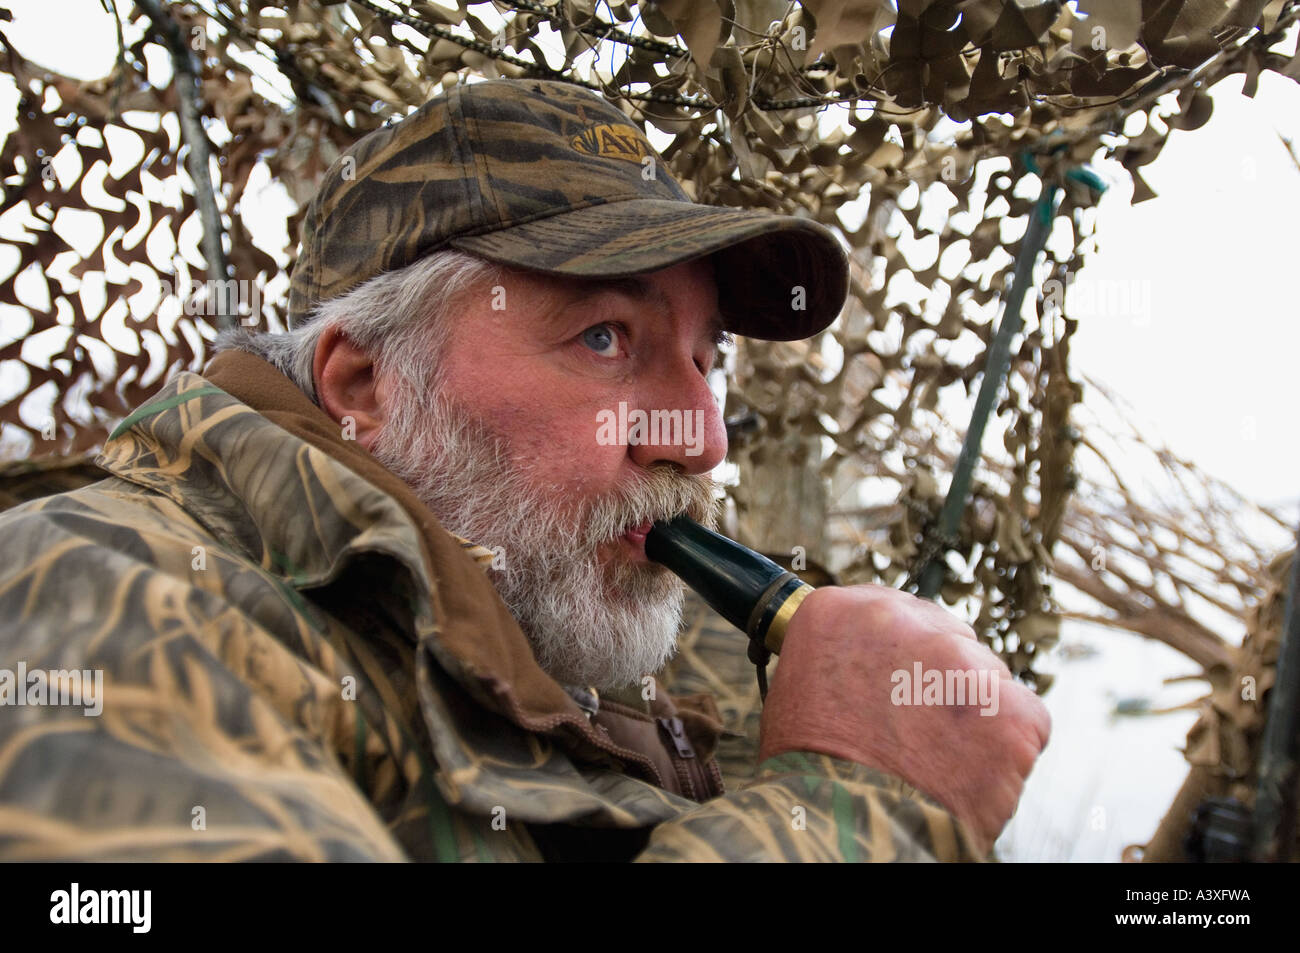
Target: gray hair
(400, 318)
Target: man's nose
(683, 425)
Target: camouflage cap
(547, 176)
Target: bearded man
(374, 589)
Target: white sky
(1208, 363)
(1214, 367)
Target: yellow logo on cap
(611, 141)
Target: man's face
(527, 439)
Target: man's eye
(602, 338)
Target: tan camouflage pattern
(230, 580)
(23, 480)
(549, 177)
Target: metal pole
(186, 81)
(996, 366)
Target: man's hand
(835, 692)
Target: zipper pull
(588, 699)
(677, 732)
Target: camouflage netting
(906, 130)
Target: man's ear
(347, 386)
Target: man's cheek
(530, 429)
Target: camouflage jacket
(299, 663)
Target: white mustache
(655, 496)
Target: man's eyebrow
(636, 287)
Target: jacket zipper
(682, 755)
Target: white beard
(589, 624)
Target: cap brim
(779, 278)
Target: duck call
(746, 588)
